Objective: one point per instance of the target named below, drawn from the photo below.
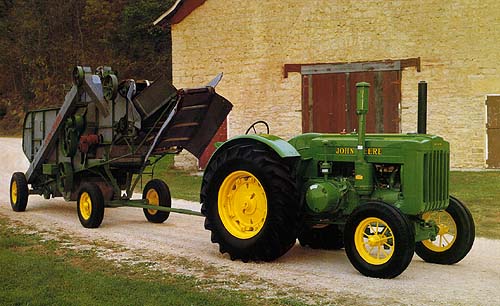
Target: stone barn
(295, 64)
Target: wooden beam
(321, 68)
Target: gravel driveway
(324, 274)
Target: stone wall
(250, 41)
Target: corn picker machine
(382, 197)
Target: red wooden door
(221, 135)
(325, 99)
(329, 101)
(493, 131)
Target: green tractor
(382, 197)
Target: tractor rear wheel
(455, 237)
(379, 240)
(18, 192)
(90, 205)
(329, 237)
(157, 193)
(250, 199)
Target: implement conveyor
(107, 134)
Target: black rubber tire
(22, 192)
(326, 238)
(164, 198)
(277, 177)
(463, 243)
(404, 238)
(97, 205)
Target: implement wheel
(157, 193)
(455, 237)
(18, 192)
(379, 240)
(326, 238)
(90, 205)
(250, 200)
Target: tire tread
(280, 231)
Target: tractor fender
(280, 146)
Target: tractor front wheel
(18, 192)
(379, 240)
(250, 199)
(455, 237)
(90, 205)
(158, 194)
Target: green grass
(480, 191)
(182, 184)
(39, 272)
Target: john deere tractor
(382, 197)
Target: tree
(138, 40)
(42, 41)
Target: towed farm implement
(381, 197)
(96, 147)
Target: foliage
(42, 41)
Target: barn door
(329, 101)
(493, 131)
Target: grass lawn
(34, 271)
(480, 191)
(38, 272)
(182, 184)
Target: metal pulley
(70, 135)
(78, 75)
(109, 82)
(110, 86)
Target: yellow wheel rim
(447, 231)
(374, 241)
(242, 204)
(13, 192)
(85, 205)
(153, 199)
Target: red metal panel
(221, 135)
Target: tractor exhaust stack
(422, 108)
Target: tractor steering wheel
(256, 123)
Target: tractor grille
(435, 181)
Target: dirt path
(474, 281)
